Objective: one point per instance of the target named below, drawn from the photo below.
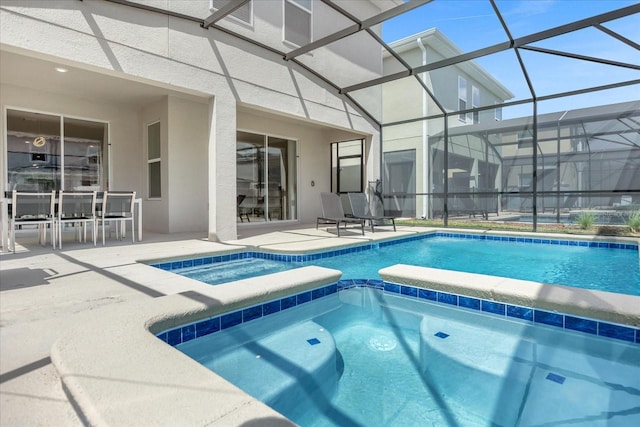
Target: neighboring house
(413, 152)
(188, 117)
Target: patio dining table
(5, 202)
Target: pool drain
(382, 343)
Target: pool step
(299, 360)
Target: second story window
(475, 103)
(243, 13)
(497, 113)
(462, 98)
(297, 21)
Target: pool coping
(115, 371)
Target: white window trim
(475, 104)
(154, 160)
(213, 9)
(462, 116)
(310, 11)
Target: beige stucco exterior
(130, 67)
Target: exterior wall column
(222, 170)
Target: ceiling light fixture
(61, 69)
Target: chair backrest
(331, 205)
(118, 204)
(359, 204)
(33, 205)
(76, 204)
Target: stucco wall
(156, 211)
(178, 55)
(188, 142)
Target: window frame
(212, 8)
(154, 160)
(294, 3)
(462, 98)
(475, 103)
(105, 173)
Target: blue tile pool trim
(198, 262)
(211, 325)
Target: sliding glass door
(266, 171)
(48, 152)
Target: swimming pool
(605, 266)
(368, 356)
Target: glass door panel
(250, 176)
(84, 154)
(347, 166)
(281, 188)
(266, 171)
(33, 151)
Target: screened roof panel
(528, 17)
(365, 10)
(468, 26)
(591, 47)
(335, 62)
(627, 27)
(545, 69)
(601, 46)
(406, 99)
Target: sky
(473, 24)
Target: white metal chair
(117, 208)
(32, 208)
(77, 208)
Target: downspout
(425, 138)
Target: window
(497, 112)
(297, 21)
(244, 13)
(49, 152)
(525, 139)
(462, 98)
(153, 161)
(347, 165)
(475, 103)
(266, 178)
(524, 180)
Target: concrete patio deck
(45, 293)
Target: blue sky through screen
(473, 25)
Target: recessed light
(61, 69)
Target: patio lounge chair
(332, 213)
(360, 208)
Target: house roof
(436, 40)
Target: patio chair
(29, 208)
(117, 208)
(77, 208)
(360, 208)
(242, 211)
(332, 213)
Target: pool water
(600, 268)
(362, 357)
